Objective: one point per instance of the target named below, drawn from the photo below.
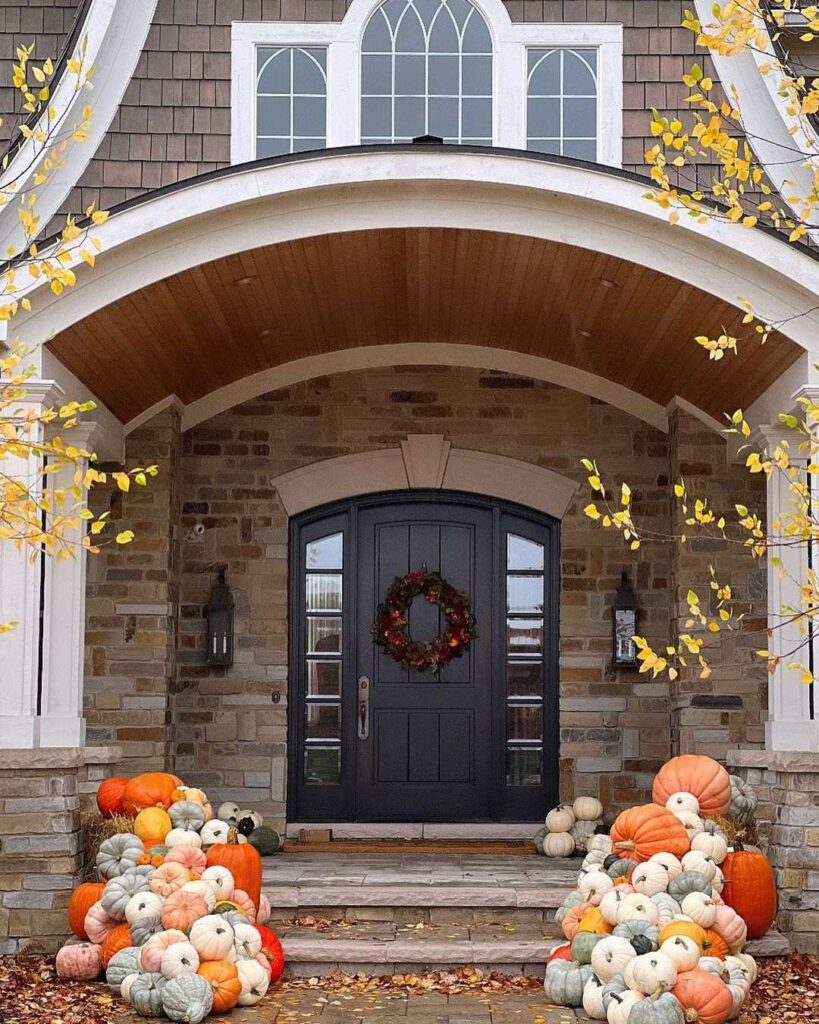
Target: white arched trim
(412, 187)
(113, 34)
(782, 142)
(417, 354)
(428, 461)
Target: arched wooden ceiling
(199, 330)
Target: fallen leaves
(452, 982)
(786, 992)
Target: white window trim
(510, 43)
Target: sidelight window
(323, 589)
(525, 646)
(291, 99)
(561, 102)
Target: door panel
(476, 741)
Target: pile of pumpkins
(569, 827)
(177, 922)
(664, 906)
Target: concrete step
(387, 948)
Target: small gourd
(593, 999)
(564, 982)
(610, 956)
(687, 882)
(79, 961)
(144, 928)
(187, 815)
(214, 831)
(621, 1006)
(212, 937)
(683, 951)
(712, 845)
(663, 1010)
(650, 972)
(560, 819)
(556, 844)
(650, 878)
(187, 999)
(683, 802)
(245, 825)
(146, 994)
(118, 853)
(255, 979)
(255, 817)
(643, 935)
(587, 808)
(121, 964)
(180, 958)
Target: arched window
(426, 69)
(561, 102)
(291, 99)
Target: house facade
(378, 276)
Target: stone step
(387, 948)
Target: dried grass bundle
(96, 830)
(732, 828)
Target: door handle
(363, 708)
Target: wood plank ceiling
(203, 328)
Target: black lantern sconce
(625, 626)
(220, 622)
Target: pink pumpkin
(182, 908)
(79, 961)
(189, 857)
(150, 955)
(245, 903)
(169, 877)
(98, 924)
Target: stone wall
(219, 728)
(787, 784)
(41, 847)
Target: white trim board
(429, 830)
(510, 44)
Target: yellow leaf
(125, 537)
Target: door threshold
(430, 831)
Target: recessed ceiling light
(265, 332)
(585, 334)
(244, 280)
(606, 283)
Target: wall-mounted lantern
(220, 622)
(625, 626)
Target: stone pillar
(787, 783)
(711, 716)
(41, 842)
(133, 594)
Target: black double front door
(373, 741)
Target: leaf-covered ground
(787, 992)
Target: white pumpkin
(692, 823)
(594, 859)
(696, 861)
(649, 879)
(247, 941)
(560, 819)
(593, 999)
(125, 986)
(203, 889)
(683, 802)
(183, 837)
(714, 965)
(595, 885)
(221, 879)
(212, 937)
(718, 882)
(610, 956)
(558, 844)
(683, 951)
(637, 907)
(602, 844)
(610, 903)
(713, 845)
(621, 1006)
(180, 958)
(669, 862)
(587, 808)
(214, 831)
(228, 810)
(701, 908)
(143, 904)
(743, 962)
(650, 972)
(255, 980)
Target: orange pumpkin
(716, 945)
(697, 774)
(157, 860)
(118, 938)
(243, 862)
(750, 889)
(143, 858)
(181, 909)
(224, 981)
(640, 832)
(152, 822)
(82, 899)
(572, 918)
(109, 796)
(151, 790)
(272, 950)
(704, 997)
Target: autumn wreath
(391, 627)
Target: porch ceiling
(206, 327)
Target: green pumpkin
(144, 928)
(186, 814)
(146, 994)
(126, 961)
(665, 1009)
(159, 851)
(187, 998)
(582, 946)
(539, 836)
(565, 981)
(119, 853)
(743, 800)
(572, 900)
(615, 987)
(686, 883)
(620, 867)
(119, 890)
(643, 935)
(266, 840)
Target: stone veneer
(157, 699)
(41, 846)
(787, 784)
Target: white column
(20, 591)
(790, 725)
(61, 722)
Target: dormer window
(394, 70)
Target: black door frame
(338, 803)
